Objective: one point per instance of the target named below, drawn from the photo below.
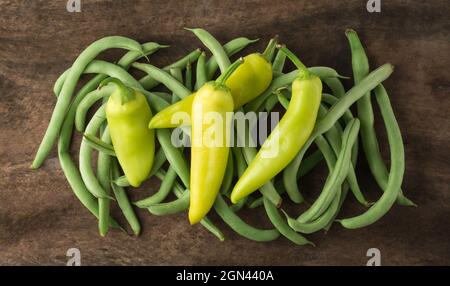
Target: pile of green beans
(336, 135)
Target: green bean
(188, 77)
(158, 162)
(335, 85)
(239, 205)
(164, 95)
(347, 117)
(214, 46)
(147, 49)
(99, 145)
(86, 171)
(208, 224)
(326, 73)
(397, 169)
(256, 203)
(172, 207)
(270, 103)
(231, 48)
(329, 214)
(131, 56)
(123, 201)
(112, 70)
(175, 206)
(241, 227)
(200, 71)
(281, 225)
(86, 104)
(278, 62)
(68, 166)
(337, 110)
(104, 178)
(228, 177)
(337, 177)
(176, 74)
(148, 82)
(163, 77)
(60, 82)
(321, 222)
(63, 102)
(283, 100)
(241, 165)
(341, 202)
(333, 136)
(360, 65)
(309, 163)
(162, 193)
(269, 51)
(173, 155)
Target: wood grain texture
(40, 218)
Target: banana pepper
(209, 149)
(128, 114)
(288, 137)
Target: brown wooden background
(40, 218)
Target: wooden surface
(40, 218)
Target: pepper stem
(125, 93)
(300, 66)
(224, 76)
(270, 49)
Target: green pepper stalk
(289, 135)
(209, 155)
(128, 114)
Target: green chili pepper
(128, 114)
(288, 137)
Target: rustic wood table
(40, 218)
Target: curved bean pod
(163, 77)
(86, 171)
(232, 47)
(123, 201)
(337, 177)
(241, 227)
(131, 56)
(214, 46)
(148, 82)
(200, 72)
(397, 169)
(63, 102)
